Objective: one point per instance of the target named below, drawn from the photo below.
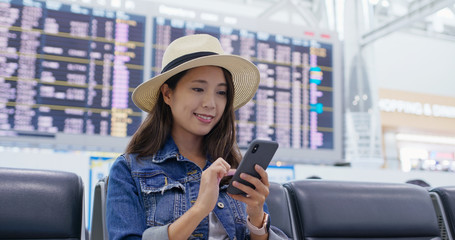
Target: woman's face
(198, 101)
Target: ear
(167, 93)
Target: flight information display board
(67, 69)
(294, 103)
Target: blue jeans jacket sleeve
(125, 215)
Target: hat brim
(245, 76)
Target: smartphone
(259, 152)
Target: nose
(208, 101)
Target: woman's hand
(209, 188)
(205, 202)
(254, 198)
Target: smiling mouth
(204, 117)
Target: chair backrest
(360, 210)
(40, 204)
(279, 208)
(444, 199)
(98, 228)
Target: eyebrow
(205, 82)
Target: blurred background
(351, 89)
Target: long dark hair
(155, 129)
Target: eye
(222, 93)
(198, 89)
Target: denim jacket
(145, 195)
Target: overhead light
(209, 17)
(385, 3)
(438, 25)
(129, 4)
(230, 20)
(374, 2)
(180, 12)
(101, 2)
(330, 8)
(445, 13)
(425, 138)
(116, 3)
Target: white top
(216, 229)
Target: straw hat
(195, 51)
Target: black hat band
(185, 58)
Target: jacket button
(220, 205)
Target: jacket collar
(169, 150)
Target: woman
(169, 184)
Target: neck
(190, 146)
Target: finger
(249, 199)
(220, 163)
(220, 172)
(217, 170)
(231, 172)
(223, 162)
(245, 188)
(256, 182)
(239, 197)
(260, 187)
(263, 174)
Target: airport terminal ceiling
(433, 18)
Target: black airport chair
(98, 228)
(444, 202)
(329, 210)
(40, 204)
(279, 208)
